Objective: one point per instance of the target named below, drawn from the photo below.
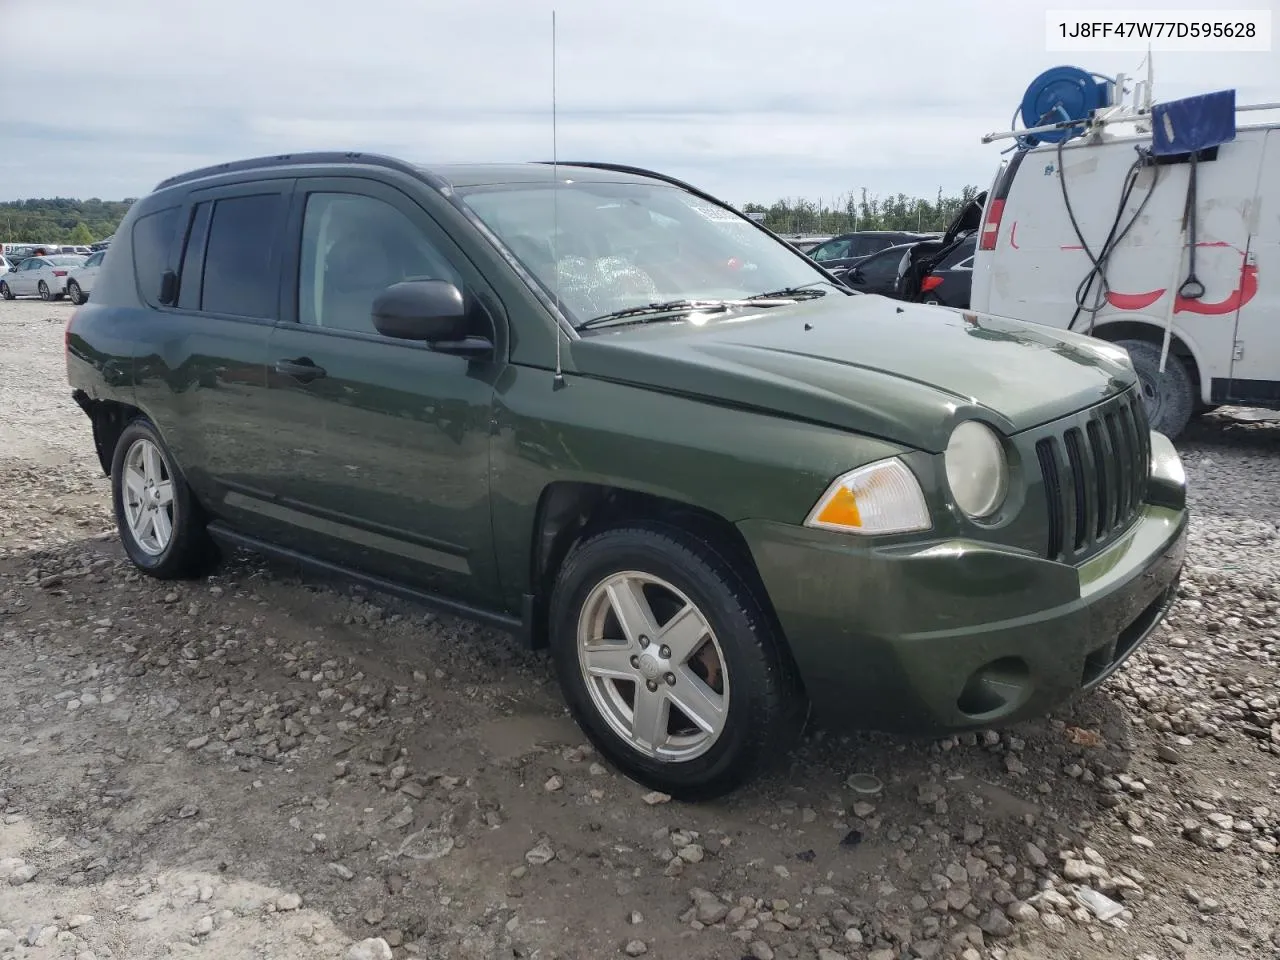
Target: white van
(1224, 346)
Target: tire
(741, 663)
(45, 294)
(5, 292)
(74, 293)
(187, 551)
(1170, 396)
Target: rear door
(1255, 369)
(384, 443)
(878, 273)
(206, 380)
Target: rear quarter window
(153, 240)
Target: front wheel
(1170, 397)
(670, 663)
(45, 293)
(5, 292)
(74, 293)
(160, 523)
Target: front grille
(1095, 471)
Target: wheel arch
(108, 418)
(1138, 327)
(568, 511)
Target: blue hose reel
(1061, 95)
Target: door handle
(300, 368)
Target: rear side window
(865, 246)
(238, 279)
(153, 237)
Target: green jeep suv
(596, 407)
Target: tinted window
(353, 248)
(881, 268)
(153, 237)
(865, 246)
(192, 255)
(956, 258)
(238, 278)
(94, 260)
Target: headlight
(882, 497)
(976, 469)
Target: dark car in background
(949, 282)
(878, 273)
(842, 252)
(944, 261)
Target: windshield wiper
(788, 293)
(656, 311)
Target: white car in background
(80, 279)
(43, 277)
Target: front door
(386, 441)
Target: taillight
(59, 273)
(931, 282)
(991, 228)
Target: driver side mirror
(432, 311)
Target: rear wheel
(74, 293)
(670, 663)
(45, 294)
(1170, 396)
(160, 523)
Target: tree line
(63, 220)
(863, 211)
(60, 220)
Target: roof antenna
(558, 381)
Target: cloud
(752, 100)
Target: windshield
(621, 246)
(66, 260)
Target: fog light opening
(999, 687)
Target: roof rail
(290, 159)
(1116, 114)
(640, 172)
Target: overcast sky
(753, 100)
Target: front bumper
(952, 635)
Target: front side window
(238, 276)
(600, 248)
(353, 248)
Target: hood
(899, 371)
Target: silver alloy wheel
(653, 666)
(73, 292)
(44, 291)
(148, 497)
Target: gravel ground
(256, 765)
